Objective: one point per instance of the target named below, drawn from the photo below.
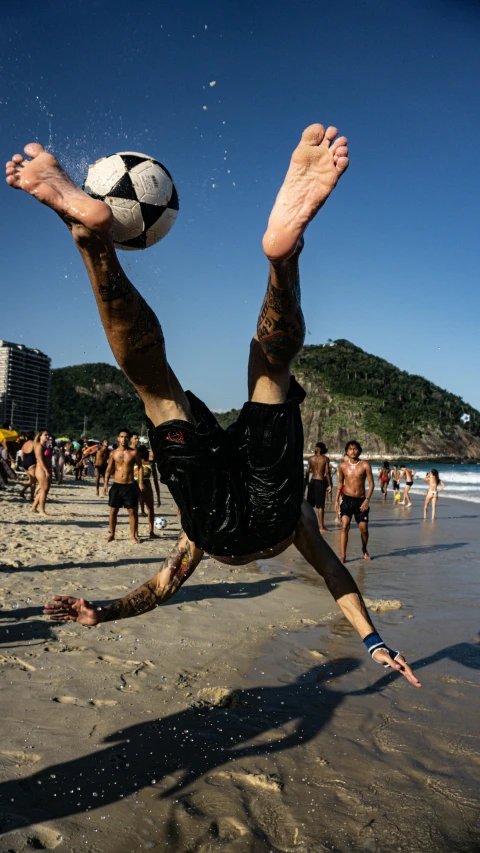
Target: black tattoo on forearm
(180, 564)
(141, 600)
(117, 287)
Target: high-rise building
(24, 386)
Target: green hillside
(98, 392)
(350, 394)
(397, 406)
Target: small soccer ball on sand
(160, 522)
(140, 192)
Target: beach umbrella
(63, 438)
(8, 435)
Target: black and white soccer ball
(160, 522)
(141, 194)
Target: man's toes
(341, 141)
(18, 159)
(10, 168)
(330, 134)
(313, 134)
(13, 180)
(33, 149)
(341, 164)
(341, 151)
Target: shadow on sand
(192, 743)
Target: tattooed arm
(175, 570)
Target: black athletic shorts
(239, 490)
(123, 495)
(396, 485)
(317, 490)
(351, 506)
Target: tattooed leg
(133, 330)
(280, 334)
(176, 569)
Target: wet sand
(244, 715)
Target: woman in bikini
(435, 485)
(409, 474)
(43, 471)
(147, 467)
(29, 461)
(384, 478)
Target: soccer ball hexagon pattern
(160, 522)
(140, 192)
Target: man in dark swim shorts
(352, 474)
(237, 506)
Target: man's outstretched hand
(382, 656)
(62, 608)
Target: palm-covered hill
(351, 394)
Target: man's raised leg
(132, 329)
(316, 166)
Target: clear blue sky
(392, 261)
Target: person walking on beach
(320, 482)
(43, 471)
(409, 474)
(147, 493)
(102, 454)
(29, 461)
(396, 482)
(124, 491)
(384, 478)
(236, 506)
(435, 485)
(352, 475)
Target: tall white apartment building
(24, 386)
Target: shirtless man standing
(236, 506)
(101, 459)
(352, 474)
(124, 492)
(320, 482)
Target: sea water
(462, 481)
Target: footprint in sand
(12, 660)
(84, 703)
(20, 757)
(259, 781)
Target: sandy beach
(244, 715)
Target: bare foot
(315, 168)
(366, 555)
(324, 530)
(44, 178)
(343, 558)
(153, 535)
(135, 540)
(110, 538)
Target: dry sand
(244, 715)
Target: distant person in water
(396, 482)
(352, 476)
(408, 474)
(384, 478)
(320, 482)
(435, 485)
(124, 491)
